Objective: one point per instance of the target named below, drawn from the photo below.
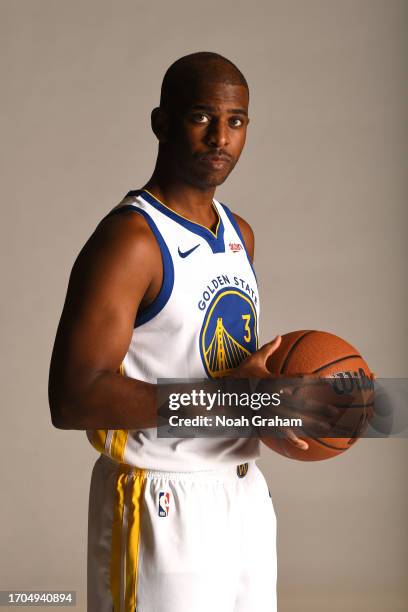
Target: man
(166, 279)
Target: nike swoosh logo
(187, 253)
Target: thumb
(270, 347)
(266, 351)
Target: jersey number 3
(247, 318)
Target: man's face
(208, 133)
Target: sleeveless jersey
(203, 323)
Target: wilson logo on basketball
(348, 382)
(235, 247)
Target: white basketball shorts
(180, 541)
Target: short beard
(202, 182)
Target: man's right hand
(254, 366)
(316, 415)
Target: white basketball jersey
(203, 323)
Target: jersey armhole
(236, 227)
(153, 309)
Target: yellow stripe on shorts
(125, 538)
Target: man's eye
(236, 121)
(200, 118)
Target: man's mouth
(215, 161)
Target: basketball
(322, 354)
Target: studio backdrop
(322, 181)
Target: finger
(331, 414)
(293, 439)
(302, 382)
(316, 409)
(317, 428)
(305, 406)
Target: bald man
(176, 525)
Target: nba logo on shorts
(164, 503)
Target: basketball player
(176, 525)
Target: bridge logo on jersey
(229, 332)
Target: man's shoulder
(243, 224)
(121, 235)
(247, 234)
(128, 202)
(124, 220)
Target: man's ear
(160, 124)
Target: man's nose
(217, 134)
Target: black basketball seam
(335, 361)
(290, 351)
(320, 441)
(337, 448)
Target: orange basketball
(324, 355)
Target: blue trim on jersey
(166, 288)
(215, 242)
(236, 227)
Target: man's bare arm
(117, 268)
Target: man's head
(202, 119)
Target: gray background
(322, 180)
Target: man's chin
(210, 181)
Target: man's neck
(184, 199)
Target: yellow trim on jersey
(118, 444)
(185, 218)
(119, 437)
(99, 439)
